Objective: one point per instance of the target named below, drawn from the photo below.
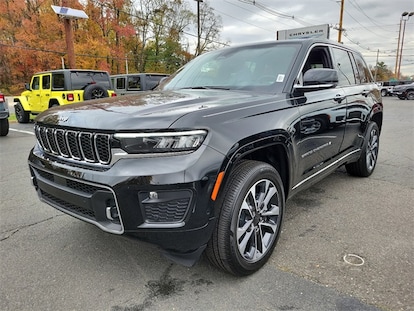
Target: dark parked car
(206, 162)
(405, 91)
(4, 115)
(132, 83)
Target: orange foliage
(115, 37)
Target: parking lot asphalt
(347, 244)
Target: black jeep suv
(206, 162)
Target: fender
(23, 101)
(250, 148)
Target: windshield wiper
(206, 88)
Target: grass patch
(12, 117)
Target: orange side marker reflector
(217, 186)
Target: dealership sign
(320, 31)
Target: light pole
(68, 14)
(402, 39)
(400, 48)
(341, 15)
(198, 26)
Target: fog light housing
(112, 213)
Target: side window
(345, 69)
(134, 83)
(46, 82)
(363, 75)
(35, 83)
(318, 58)
(58, 81)
(120, 83)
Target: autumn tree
(118, 36)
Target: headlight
(161, 142)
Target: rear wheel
(22, 116)
(369, 156)
(248, 227)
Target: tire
(410, 95)
(93, 91)
(22, 116)
(384, 93)
(4, 127)
(369, 156)
(244, 236)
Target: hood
(149, 110)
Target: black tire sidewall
(90, 89)
(21, 115)
(256, 171)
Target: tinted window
(80, 79)
(35, 83)
(344, 66)
(134, 83)
(363, 73)
(58, 81)
(120, 83)
(46, 82)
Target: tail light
(70, 97)
(2, 98)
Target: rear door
(360, 91)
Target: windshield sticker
(280, 78)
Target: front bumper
(165, 201)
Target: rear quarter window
(58, 81)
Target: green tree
(381, 72)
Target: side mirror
(27, 86)
(320, 76)
(318, 79)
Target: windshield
(260, 67)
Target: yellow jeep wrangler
(60, 87)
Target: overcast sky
(370, 25)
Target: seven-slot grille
(77, 145)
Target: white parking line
(20, 131)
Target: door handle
(365, 93)
(339, 98)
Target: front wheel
(369, 155)
(22, 116)
(410, 95)
(251, 209)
